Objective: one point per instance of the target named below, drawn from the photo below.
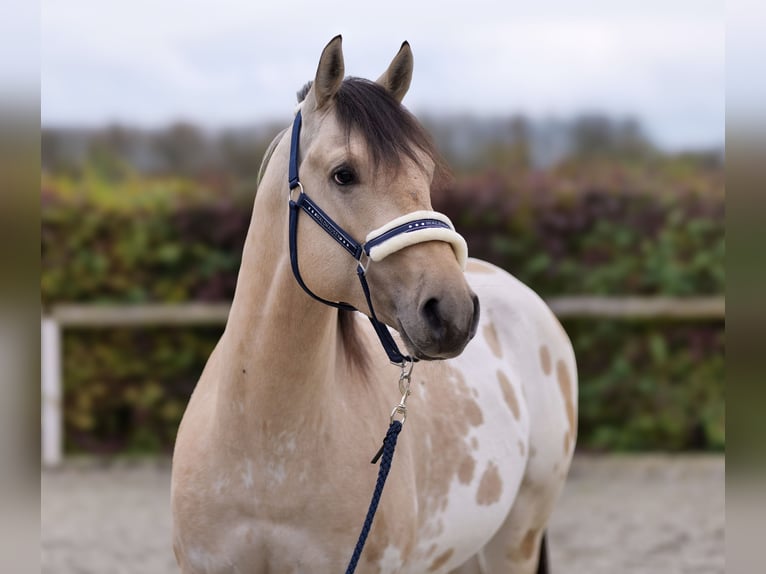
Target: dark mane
(390, 131)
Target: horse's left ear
(396, 79)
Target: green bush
(125, 390)
(649, 386)
(652, 385)
(594, 239)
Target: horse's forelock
(390, 131)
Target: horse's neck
(280, 350)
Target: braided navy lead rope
(389, 444)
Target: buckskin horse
(271, 468)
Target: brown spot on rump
(478, 267)
(532, 451)
(441, 560)
(545, 359)
(465, 471)
(490, 486)
(521, 448)
(473, 413)
(472, 410)
(508, 394)
(526, 549)
(474, 443)
(490, 334)
(565, 384)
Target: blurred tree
(508, 150)
(182, 149)
(108, 154)
(59, 152)
(241, 154)
(596, 135)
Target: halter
(404, 231)
(409, 229)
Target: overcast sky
(235, 62)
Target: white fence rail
(194, 314)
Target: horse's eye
(343, 176)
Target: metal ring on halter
(364, 261)
(298, 184)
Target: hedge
(652, 385)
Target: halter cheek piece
(409, 229)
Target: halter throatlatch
(409, 229)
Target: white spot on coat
(247, 474)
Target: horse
(271, 468)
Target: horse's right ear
(329, 74)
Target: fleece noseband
(404, 231)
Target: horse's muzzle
(443, 326)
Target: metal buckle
(290, 192)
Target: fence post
(50, 376)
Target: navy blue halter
(410, 223)
(354, 248)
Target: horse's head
(366, 161)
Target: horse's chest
(468, 441)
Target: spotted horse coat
(271, 469)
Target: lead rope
(386, 455)
(387, 452)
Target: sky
(230, 63)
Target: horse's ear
(329, 73)
(396, 79)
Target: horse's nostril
(430, 311)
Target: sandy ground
(617, 515)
